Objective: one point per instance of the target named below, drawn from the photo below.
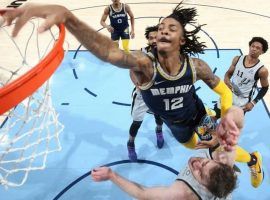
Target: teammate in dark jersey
(119, 27)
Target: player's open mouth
(163, 39)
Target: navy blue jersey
(119, 20)
(173, 97)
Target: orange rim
(16, 91)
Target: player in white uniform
(139, 108)
(245, 72)
(208, 176)
(242, 78)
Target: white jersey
(187, 177)
(244, 79)
(146, 49)
(138, 107)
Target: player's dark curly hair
(150, 29)
(260, 40)
(187, 16)
(222, 180)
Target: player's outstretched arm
(100, 45)
(228, 132)
(175, 191)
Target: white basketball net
(29, 131)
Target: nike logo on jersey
(158, 82)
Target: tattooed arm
(205, 73)
(105, 49)
(100, 45)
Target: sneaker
(256, 170)
(131, 152)
(208, 123)
(160, 139)
(210, 111)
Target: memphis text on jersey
(171, 90)
(118, 15)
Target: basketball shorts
(123, 34)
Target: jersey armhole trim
(199, 197)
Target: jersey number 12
(172, 104)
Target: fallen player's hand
(101, 174)
(228, 133)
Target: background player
(119, 27)
(244, 73)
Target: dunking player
(166, 79)
(119, 27)
(139, 108)
(208, 176)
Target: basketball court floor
(93, 101)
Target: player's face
(201, 168)
(255, 49)
(116, 1)
(152, 38)
(170, 36)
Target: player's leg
(115, 36)
(192, 142)
(183, 134)
(138, 110)
(201, 114)
(254, 162)
(159, 134)
(133, 130)
(125, 37)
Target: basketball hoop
(29, 126)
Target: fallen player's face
(201, 167)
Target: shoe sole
(260, 157)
